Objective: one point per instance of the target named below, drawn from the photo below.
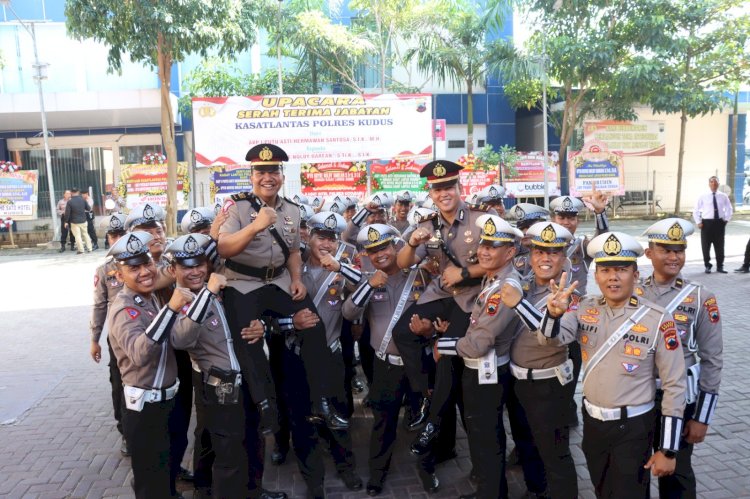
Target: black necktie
(716, 208)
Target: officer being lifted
(696, 314)
(626, 342)
(526, 215)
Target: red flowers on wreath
(154, 158)
(7, 223)
(8, 166)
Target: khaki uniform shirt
(522, 261)
(401, 225)
(580, 262)
(527, 350)
(208, 342)
(380, 304)
(492, 325)
(698, 323)
(263, 250)
(462, 238)
(106, 287)
(143, 362)
(625, 376)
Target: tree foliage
(159, 33)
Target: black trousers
(574, 353)
(148, 434)
(444, 403)
(389, 385)
(203, 452)
(115, 381)
(681, 484)
(746, 260)
(528, 454)
(339, 442)
(183, 408)
(713, 233)
(616, 452)
(296, 393)
(271, 300)
(236, 446)
(411, 346)
(486, 433)
(542, 401)
(91, 229)
(276, 347)
(64, 233)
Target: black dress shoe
(124, 447)
(278, 457)
(721, 270)
(269, 417)
(270, 494)
(351, 479)
(423, 442)
(185, 475)
(374, 489)
(420, 418)
(61, 250)
(430, 482)
(325, 413)
(744, 269)
(95, 247)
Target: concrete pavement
(58, 437)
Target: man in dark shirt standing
(76, 220)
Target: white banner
(313, 128)
(633, 138)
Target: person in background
(712, 213)
(75, 220)
(64, 231)
(90, 217)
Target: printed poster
(632, 138)
(596, 165)
(334, 179)
(141, 183)
(526, 178)
(18, 194)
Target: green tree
(455, 50)
(161, 33)
(697, 50)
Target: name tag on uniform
(487, 371)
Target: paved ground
(57, 434)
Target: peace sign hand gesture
(597, 200)
(559, 298)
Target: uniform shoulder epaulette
(431, 216)
(241, 196)
(290, 201)
(679, 283)
(479, 207)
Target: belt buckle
(270, 271)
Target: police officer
(526, 215)
(222, 400)
(485, 353)
(404, 200)
(625, 341)
(565, 212)
(149, 218)
(448, 239)
(106, 287)
(383, 296)
(542, 373)
(139, 334)
(492, 196)
(374, 211)
(696, 314)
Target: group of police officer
(252, 317)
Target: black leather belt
(265, 273)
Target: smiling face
(492, 259)
(321, 244)
(189, 277)
(384, 258)
(159, 241)
(402, 209)
(616, 282)
(667, 261)
(446, 199)
(376, 217)
(547, 263)
(267, 184)
(140, 278)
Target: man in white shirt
(711, 214)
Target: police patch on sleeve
(227, 204)
(493, 303)
(132, 313)
(712, 308)
(669, 331)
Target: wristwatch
(465, 273)
(669, 454)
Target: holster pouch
(134, 398)
(564, 372)
(224, 385)
(693, 377)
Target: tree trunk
(678, 191)
(733, 150)
(469, 117)
(167, 133)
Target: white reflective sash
(397, 314)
